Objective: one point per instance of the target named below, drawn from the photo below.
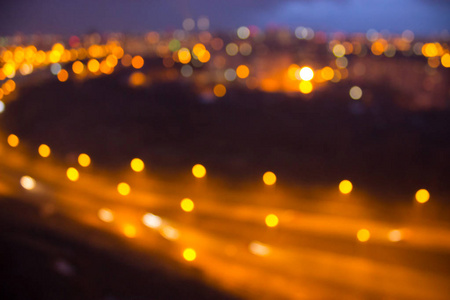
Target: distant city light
(84, 160)
(271, 220)
(78, 67)
(327, 73)
(258, 248)
(13, 140)
(345, 186)
(169, 233)
(123, 188)
(187, 205)
(137, 79)
(269, 178)
(422, 196)
(137, 62)
(55, 68)
(230, 74)
(306, 73)
(305, 87)
(137, 165)
(93, 65)
(189, 254)
(72, 174)
(219, 90)
(44, 150)
(152, 221)
(106, 215)
(242, 71)
(395, 235)
(363, 235)
(243, 32)
(245, 49)
(129, 231)
(339, 50)
(184, 55)
(232, 49)
(27, 182)
(199, 171)
(63, 75)
(355, 92)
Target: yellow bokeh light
(445, 60)
(187, 205)
(9, 68)
(345, 186)
(59, 48)
(106, 215)
(137, 62)
(184, 56)
(189, 254)
(305, 87)
(84, 160)
(123, 188)
(129, 231)
(111, 61)
(137, 165)
(63, 75)
(118, 52)
(54, 56)
(327, 73)
(72, 174)
(44, 150)
(242, 71)
(363, 235)
(93, 65)
(429, 50)
(269, 178)
(13, 140)
(198, 171)
(271, 220)
(77, 67)
(104, 68)
(306, 73)
(198, 49)
(422, 196)
(220, 90)
(205, 57)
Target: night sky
(137, 16)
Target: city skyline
(77, 17)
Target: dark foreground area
(318, 139)
(39, 260)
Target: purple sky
(78, 16)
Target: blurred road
(313, 252)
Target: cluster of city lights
(227, 59)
